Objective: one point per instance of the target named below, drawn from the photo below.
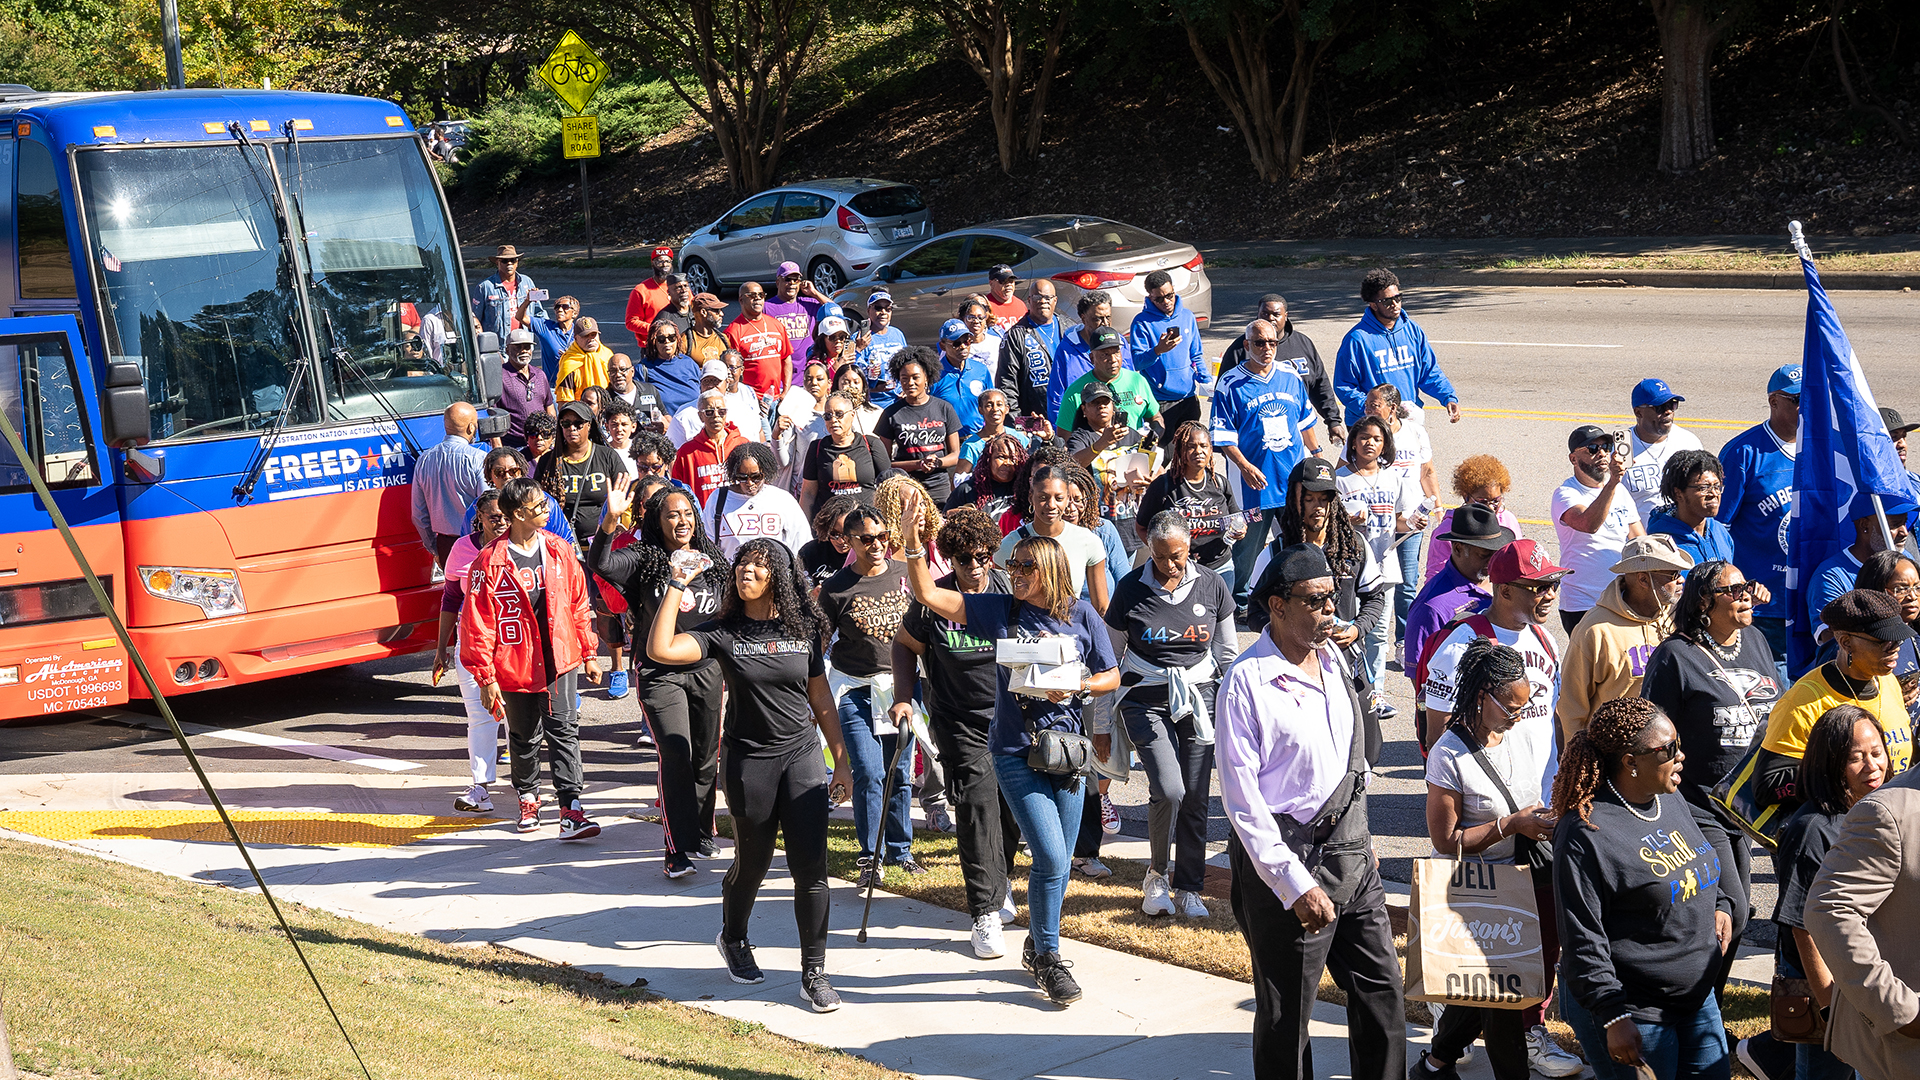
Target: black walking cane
(903, 739)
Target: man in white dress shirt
(1295, 741)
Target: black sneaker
(1765, 1057)
(816, 991)
(706, 850)
(739, 958)
(911, 865)
(1425, 1068)
(1051, 973)
(678, 865)
(1026, 956)
(870, 875)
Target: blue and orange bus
(229, 320)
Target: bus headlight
(214, 592)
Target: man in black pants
(1306, 889)
(959, 694)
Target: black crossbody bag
(1526, 849)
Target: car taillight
(1094, 279)
(849, 223)
(1196, 262)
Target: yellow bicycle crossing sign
(574, 71)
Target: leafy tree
(1001, 40)
(1273, 50)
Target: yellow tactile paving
(288, 827)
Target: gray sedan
(1079, 254)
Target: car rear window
(887, 202)
(1096, 238)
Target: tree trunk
(1049, 63)
(1688, 34)
(1247, 90)
(993, 36)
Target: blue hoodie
(1755, 509)
(1371, 354)
(677, 380)
(1172, 374)
(1715, 543)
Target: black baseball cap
(1585, 434)
(1300, 562)
(1313, 474)
(1096, 391)
(1105, 337)
(1896, 427)
(1002, 272)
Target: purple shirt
(1439, 601)
(1283, 744)
(521, 395)
(797, 317)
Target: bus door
(58, 653)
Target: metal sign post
(576, 73)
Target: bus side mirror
(123, 407)
(496, 421)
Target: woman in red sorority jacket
(525, 633)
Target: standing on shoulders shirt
(1654, 438)
(1593, 514)
(1165, 337)
(1387, 346)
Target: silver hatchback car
(1079, 254)
(835, 230)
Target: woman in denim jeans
(1047, 807)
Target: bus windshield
(198, 289)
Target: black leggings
(988, 836)
(784, 793)
(683, 710)
(546, 715)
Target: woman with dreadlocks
(770, 639)
(995, 477)
(1646, 903)
(680, 702)
(1312, 515)
(1483, 799)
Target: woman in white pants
(483, 728)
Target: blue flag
(1845, 456)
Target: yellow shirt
(586, 368)
(704, 347)
(1809, 699)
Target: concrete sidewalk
(917, 998)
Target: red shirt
(769, 355)
(1005, 315)
(701, 465)
(648, 299)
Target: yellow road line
(287, 827)
(1546, 414)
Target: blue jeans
(1374, 647)
(1246, 550)
(1409, 587)
(1694, 1047)
(1047, 809)
(868, 755)
(1810, 1060)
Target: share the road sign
(580, 136)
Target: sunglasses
(868, 539)
(713, 412)
(1744, 588)
(574, 422)
(1598, 447)
(1537, 588)
(1022, 566)
(978, 558)
(1666, 752)
(749, 478)
(838, 414)
(1316, 600)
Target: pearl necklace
(1630, 806)
(1727, 653)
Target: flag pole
(1798, 236)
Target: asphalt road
(1530, 364)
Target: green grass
(113, 971)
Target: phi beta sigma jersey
(1263, 416)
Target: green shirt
(1132, 399)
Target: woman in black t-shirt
(1190, 487)
(845, 462)
(824, 555)
(680, 702)
(770, 640)
(991, 487)
(922, 432)
(579, 471)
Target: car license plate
(901, 232)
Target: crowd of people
(1007, 565)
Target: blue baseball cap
(1785, 380)
(1653, 392)
(953, 330)
(829, 310)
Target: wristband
(920, 553)
(1615, 1020)
(1499, 832)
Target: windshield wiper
(296, 190)
(271, 190)
(302, 371)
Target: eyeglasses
(753, 295)
(868, 539)
(1744, 588)
(621, 370)
(839, 414)
(1665, 752)
(1708, 492)
(1490, 503)
(1316, 600)
(713, 410)
(978, 558)
(1904, 592)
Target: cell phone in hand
(538, 294)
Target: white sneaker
(988, 942)
(475, 801)
(1190, 904)
(1156, 895)
(1547, 1058)
(1008, 912)
(1092, 868)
